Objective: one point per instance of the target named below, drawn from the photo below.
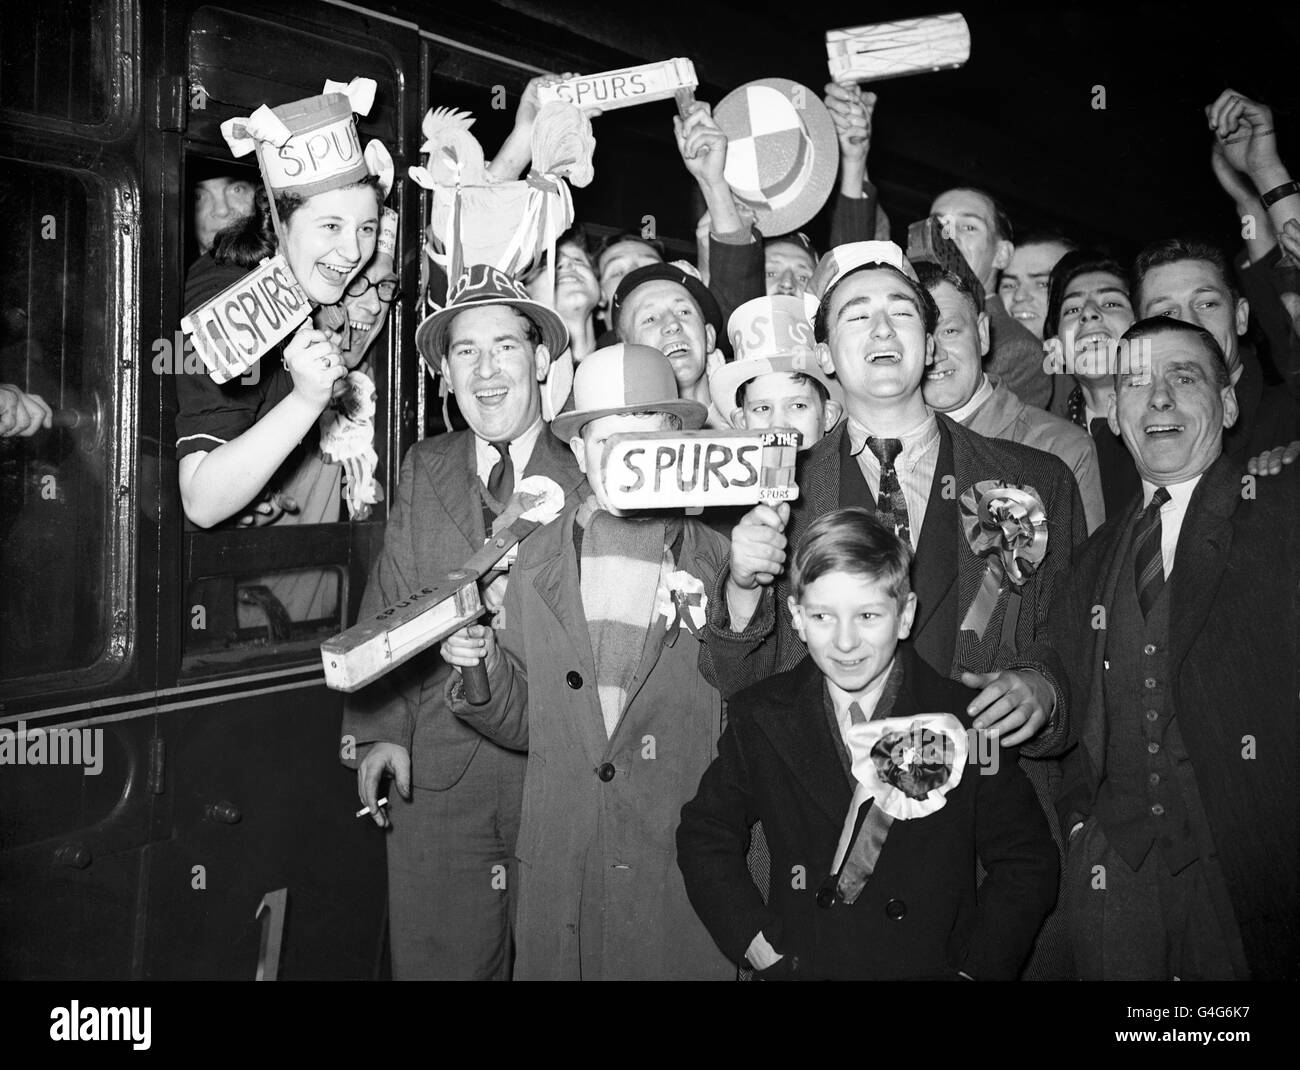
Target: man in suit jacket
(875, 328)
(782, 759)
(957, 385)
(1179, 631)
(456, 810)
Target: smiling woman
(243, 439)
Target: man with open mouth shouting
(897, 457)
(666, 306)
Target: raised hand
(1244, 128)
(851, 110)
(315, 365)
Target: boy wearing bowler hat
(595, 672)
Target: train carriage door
(257, 807)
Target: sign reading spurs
(696, 469)
(236, 328)
(621, 89)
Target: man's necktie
(501, 480)
(1148, 562)
(891, 505)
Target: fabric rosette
(904, 767)
(1006, 525)
(681, 600)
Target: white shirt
(964, 412)
(521, 450)
(842, 700)
(1171, 516)
(914, 465)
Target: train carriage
(217, 838)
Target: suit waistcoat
(1140, 802)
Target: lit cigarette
(365, 809)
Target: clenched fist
(315, 364)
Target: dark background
(1017, 119)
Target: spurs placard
(244, 322)
(624, 88)
(697, 469)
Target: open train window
(56, 495)
(271, 592)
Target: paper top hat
(782, 152)
(770, 334)
(482, 286)
(681, 273)
(845, 258)
(311, 145)
(626, 378)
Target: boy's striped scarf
(623, 561)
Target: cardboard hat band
(849, 257)
(626, 378)
(309, 146)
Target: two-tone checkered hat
(782, 152)
(626, 378)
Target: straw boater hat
(626, 378)
(770, 334)
(480, 287)
(782, 151)
(311, 145)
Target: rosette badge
(1005, 524)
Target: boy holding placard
(874, 792)
(596, 673)
(776, 379)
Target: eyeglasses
(388, 288)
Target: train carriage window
(54, 503)
(273, 581)
(56, 59)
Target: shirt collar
(521, 446)
(1179, 493)
(868, 702)
(916, 441)
(982, 393)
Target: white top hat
(770, 334)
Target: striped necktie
(891, 505)
(1148, 562)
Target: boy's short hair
(851, 540)
(798, 378)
